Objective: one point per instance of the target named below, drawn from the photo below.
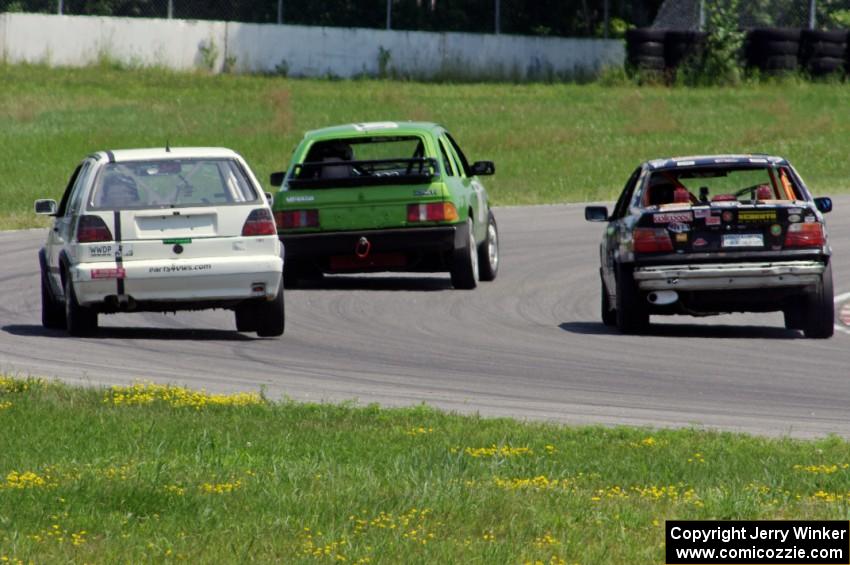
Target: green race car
(385, 197)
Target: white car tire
(79, 320)
(52, 312)
(270, 317)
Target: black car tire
(464, 270)
(79, 320)
(632, 314)
(270, 317)
(795, 317)
(609, 316)
(52, 311)
(488, 252)
(820, 309)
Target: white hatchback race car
(161, 230)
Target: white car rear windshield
(171, 183)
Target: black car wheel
(795, 317)
(632, 314)
(820, 311)
(609, 316)
(488, 252)
(79, 320)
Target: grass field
(160, 474)
(551, 143)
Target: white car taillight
(259, 222)
(92, 229)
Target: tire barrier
(824, 52)
(681, 46)
(818, 53)
(645, 49)
(772, 50)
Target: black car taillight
(91, 229)
(259, 222)
(805, 235)
(651, 240)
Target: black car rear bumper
(730, 276)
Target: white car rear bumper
(208, 279)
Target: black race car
(715, 234)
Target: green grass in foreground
(161, 474)
(551, 142)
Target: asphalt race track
(529, 345)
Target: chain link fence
(563, 18)
(802, 14)
(575, 18)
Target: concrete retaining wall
(298, 50)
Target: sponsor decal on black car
(757, 216)
(668, 217)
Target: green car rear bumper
(420, 248)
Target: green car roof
(373, 128)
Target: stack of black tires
(662, 49)
(770, 50)
(824, 52)
(816, 52)
(681, 46)
(645, 49)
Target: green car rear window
(367, 148)
(364, 161)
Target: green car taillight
(289, 219)
(433, 212)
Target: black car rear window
(720, 183)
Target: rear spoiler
(342, 174)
